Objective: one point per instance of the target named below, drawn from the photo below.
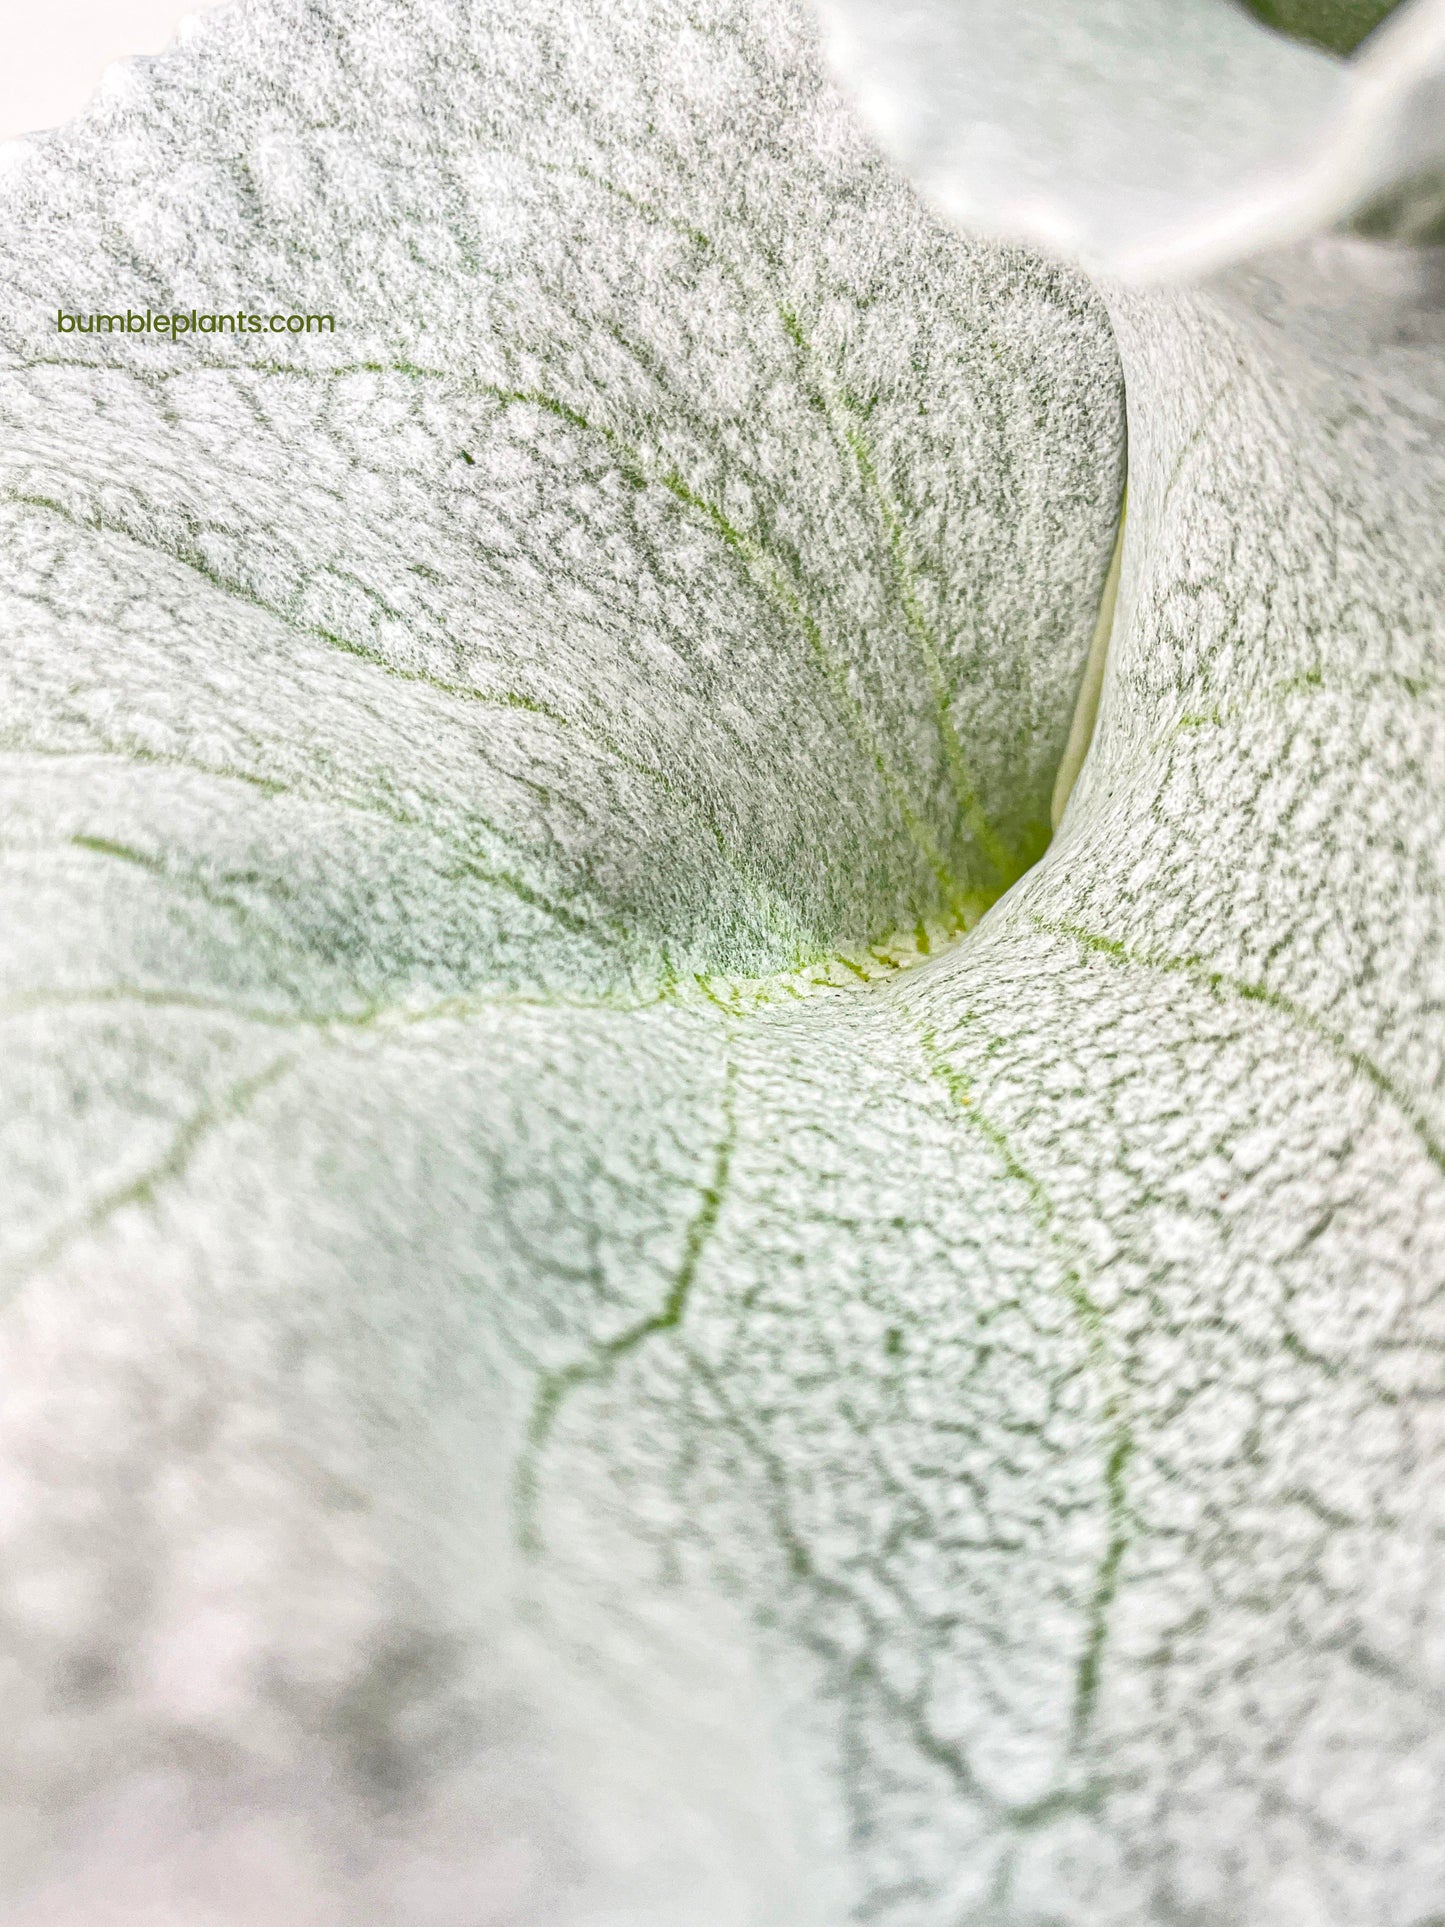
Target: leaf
(1148, 138)
(662, 599)
(1339, 25)
(577, 1356)
(598, 443)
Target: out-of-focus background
(53, 52)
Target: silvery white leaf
(671, 580)
(574, 1357)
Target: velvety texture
(588, 1343)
